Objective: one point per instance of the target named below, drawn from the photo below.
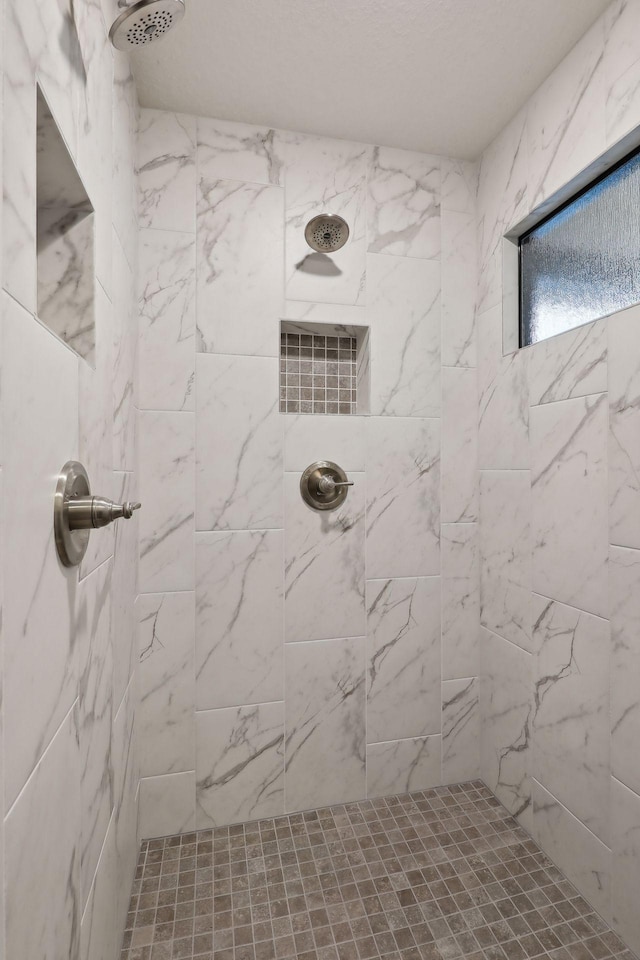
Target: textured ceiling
(442, 76)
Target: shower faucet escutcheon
(324, 485)
(76, 512)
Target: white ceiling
(442, 76)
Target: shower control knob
(89, 513)
(77, 512)
(324, 485)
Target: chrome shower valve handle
(77, 512)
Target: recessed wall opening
(64, 241)
(324, 369)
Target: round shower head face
(327, 233)
(145, 21)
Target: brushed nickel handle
(323, 485)
(76, 512)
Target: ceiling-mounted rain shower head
(145, 21)
(326, 233)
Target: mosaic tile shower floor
(434, 875)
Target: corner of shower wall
(547, 531)
(69, 842)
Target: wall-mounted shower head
(144, 21)
(326, 233)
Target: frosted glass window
(583, 262)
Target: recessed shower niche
(64, 241)
(324, 368)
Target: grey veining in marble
(239, 618)
(239, 455)
(239, 764)
(569, 478)
(167, 178)
(571, 749)
(403, 204)
(240, 237)
(506, 699)
(403, 481)
(166, 680)
(505, 562)
(238, 151)
(624, 580)
(460, 600)
(403, 308)
(624, 438)
(460, 730)
(573, 364)
(403, 765)
(324, 565)
(167, 301)
(325, 722)
(403, 658)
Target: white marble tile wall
(560, 561)
(321, 640)
(68, 831)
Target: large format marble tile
(42, 856)
(239, 455)
(325, 722)
(573, 364)
(99, 935)
(95, 714)
(124, 588)
(239, 764)
(460, 730)
(322, 174)
(167, 170)
(565, 118)
(584, 859)
(124, 126)
(324, 565)
(238, 151)
(167, 320)
(403, 488)
(569, 480)
(240, 236)
(166, 682)
(622, 104)
(624, 428)
(503, 402)
(95, 425)
(239, 618)
(123, 377)
(337, 438)
(38, 689)
(503, 200)
(624, 580)
(459, 185)
(459, 289)
(403, 204)
(403, 658)
(460, 600)
(505, 554)
(506, 708)
(625, 819)
(403, 308)
(459, 445)
(570, 750)
(402, 766)
(167, 804)
(125, 789)
(166, 490)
